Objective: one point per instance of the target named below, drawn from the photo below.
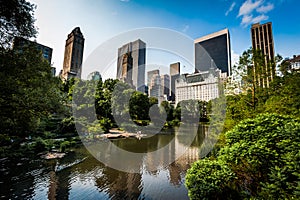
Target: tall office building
(150, 76)
(165, 86)
(175, 68)
(213, 47)
(131, 64)
(262, 39)
(174, 74)
(155, 90)
(72, 66)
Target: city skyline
(102, 20)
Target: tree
(16, 20)
(259, 160)
(28, 91)
(139, 106)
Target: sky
(101, 20)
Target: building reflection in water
(93, 179)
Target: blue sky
(100, 20)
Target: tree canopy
(16, 20)
(28, 91)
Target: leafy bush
(209, 179)
(260, 156)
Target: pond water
(91, 179)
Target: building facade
(158, 85)
(150, 76)
(165, 86)
(131, 64)
(262, 39)
(72, 66)
(213, 47)
(46, 51)
(174, 74)
(202, 86)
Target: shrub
(263, 153)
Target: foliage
(16, 20)
(28, 91)
(139, 106)
(210, 179)
(263, 159)
(284, 95)
(105, 124)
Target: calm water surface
(91, 179)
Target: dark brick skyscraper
(72, 66)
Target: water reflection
(91, 179)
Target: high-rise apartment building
(174, 74)
(72, 66)
(20, 43)
(213, 48)
(46, 51)
(262, 39)
(131, 64)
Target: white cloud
(249, 19)
(259, 18)
(249, 6)
(186, 27)
(253, 11)
(265, 9)
(230, 8)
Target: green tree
(16, 20)
(28, 91)
(139, 106)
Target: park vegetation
(257, 155)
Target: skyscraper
(150, 75)
(131, 64)
(165, 86)
(213, 47)
(153, 83)
(262, 39)
(72, 66)
(174, 73)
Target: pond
(91, 179)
